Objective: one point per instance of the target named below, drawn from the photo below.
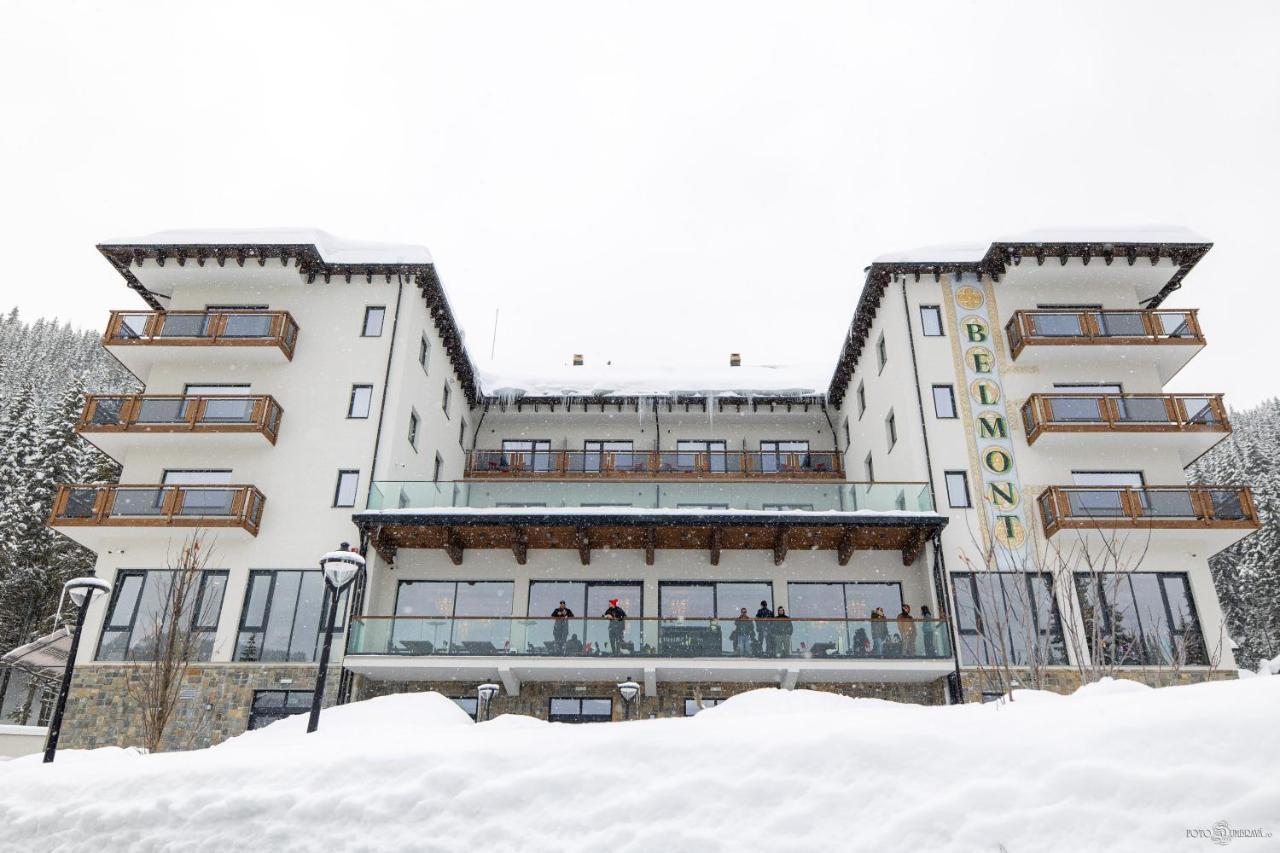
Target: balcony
(95, 515)
(654, 465)
(586, 515)
(141, 338)
(1219, 516)
(117, 422)
(517, 649)
(1189, 423)
(1167, 339)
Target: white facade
(298, 474)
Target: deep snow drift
(1117, 766)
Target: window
(435, 469)
(607, 456)
(462, 434)
(851, 631)
(882, 353)
(586, 633)
(271, 705)
(848, 439)
(862, 398)
(469, 704)
(424, 351)
(868, 465)
(693, 706)
(1105, 498)
(284, 612)
(192, 389)
(790, 507)
(361, 401)
(444, 399)
(958, 489)
(580, 710)
(1141, 618)
(143, 600)
(1008, 617)
(698, 618)
(196, 477)
(460, 617)
(344, 494)
(931, 321)
(26, 699)
(944, 401)
(711, 453)
(784, 456)
(524, 454)
(413, 430)
(891, 430)
(373, 317)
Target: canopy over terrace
(456, 529)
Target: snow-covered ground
(1117, 766)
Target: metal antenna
(493, 348)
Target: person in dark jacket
(764, 629)
(927, 629)
(879, 631)
(573, 647)
(560, 628)
(907, 631)
(743, 634)
(617, 625)
(780, 633)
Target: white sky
(648, 181)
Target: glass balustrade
(745, 496)
(817, 639)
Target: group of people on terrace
(769, 634)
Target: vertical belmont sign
(998, 490)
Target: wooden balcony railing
(1058, 327)
(203, 328)
(654, 464)
(157, 506)
(1149, 507)
(179, 413)
(1123, 413)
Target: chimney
(577, 359)
(735, 359)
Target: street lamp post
(629, 690)
(82, 591)
(340, 568)
(485, 693)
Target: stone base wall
(214, 704)
(1068, 680)
(535, 696)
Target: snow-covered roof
(47, 652)
(972, 253)
(764, 380)
(332, 249)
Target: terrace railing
(655, 464)
(1056, 327)
(1149, 507)
(203, 328)
(534, 637)
(157, 506)
(180, 413)
(1123, 413)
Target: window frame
(127, 628)
(951, 397)
(1045, 634)
(861, 397)
(273, 578)
(891, 430)
(444, 399)
(424, 353)
(936, 312)
(355, 489)
(414, 423)
(351, 403)
(437, 468)
(882, 353)
(964, 481)
(368, 314)
(869, 466)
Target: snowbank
(1114, 767)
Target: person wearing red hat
(617, 625)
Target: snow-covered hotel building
(994, 449)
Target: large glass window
(712, 600)
(690, 451)
(454, 617)
(850, 607)
(284, 613)
(618, 454)
(1008, 617)
(1141, 618)
(931, 321)
(141, 616)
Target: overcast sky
(648, 181)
